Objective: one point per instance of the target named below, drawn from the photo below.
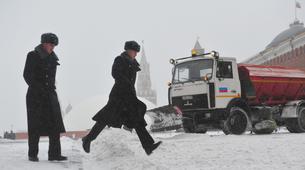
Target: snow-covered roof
(295, 29)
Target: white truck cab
(202, 86)
(204, 82)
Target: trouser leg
(145, 138)
(54, 145)
(33, 143)
(95, 131)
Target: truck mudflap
(165, 118)
(290, 110)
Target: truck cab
(204, 82)
(202, 86)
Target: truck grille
(191, 102)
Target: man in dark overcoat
(43, 109)
(123, 107)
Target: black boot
(33, 147)
(33, 158)
(154, 146)
(57, 158)
(94, 132)
(55, 148)
(86, 144)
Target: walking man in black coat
(123, 107)
(43, 110)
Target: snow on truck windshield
(192, 70)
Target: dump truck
(212, 92)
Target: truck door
(227, 85)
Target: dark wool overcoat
(43, 109)
(123, 107)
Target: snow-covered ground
(118, 149)
(13, 155)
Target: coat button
(47, 76)
(47, 84)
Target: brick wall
(294, 58)
(70, 134)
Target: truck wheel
(237, 122)
(297, 125)
(200, 129)
(188, 125)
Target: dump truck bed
(271, 85)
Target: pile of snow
(112, 143)
(80, 117)
(118, 149)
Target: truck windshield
(192, 70)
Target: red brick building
(286, 49)
(70, 134)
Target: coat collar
(133, 62)
(43, 54)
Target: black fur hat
(49, 38)
(132, 45)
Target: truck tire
(200, 128)
(237, 122)
(188, 125)
(296, 125)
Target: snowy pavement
(13, 156)
(118, 149)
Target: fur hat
(49, 38)
(132, 45)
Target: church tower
(144, 88)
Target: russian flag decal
(223, 89)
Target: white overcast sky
(91, 33)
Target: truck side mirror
(219, 70)
(207, 77)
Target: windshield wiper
(191, 80)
